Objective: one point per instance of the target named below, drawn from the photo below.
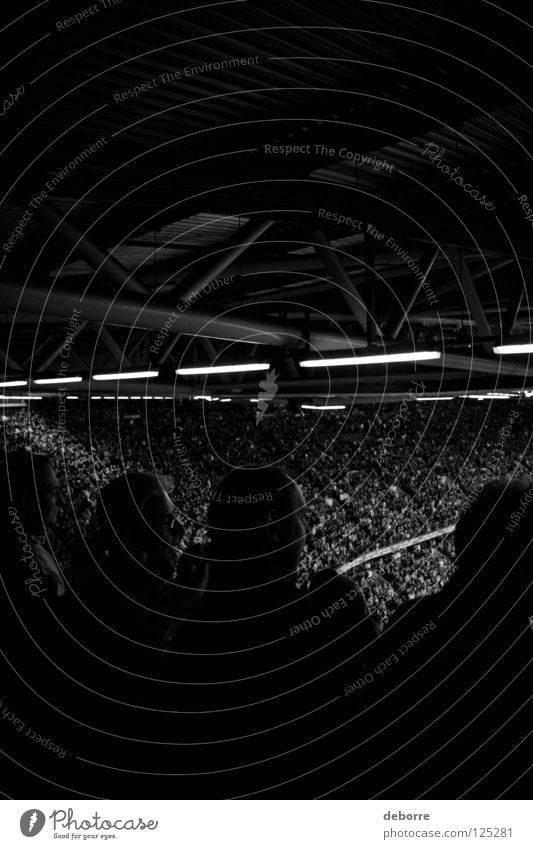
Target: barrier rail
(397, 546)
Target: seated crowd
(200, 642)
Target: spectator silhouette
(464, 686)
(273, 654)
(137, 586)
(31, 498)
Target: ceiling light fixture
(526, 348)
(126, 375)
(57, 380)
(234, 369)
(372, 359)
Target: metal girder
(112, 346)
(168, 348)
(212, 353)
(55, 352)
(514, 305)
(39, 348)
(396, 323)
(466, 283)
(9, 361)
(222, 257)
(477, 364)
(161, 271)
(475, 275)
(370, 280)
(142, 336)
(450, 367)
(340, 277)
(97, 258)
(135, 312)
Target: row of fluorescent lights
(31, 397)
(239, 368)
(141, 375)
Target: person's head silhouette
(257, 528)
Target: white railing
(397, 546)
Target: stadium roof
(274, 182)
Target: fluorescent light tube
(21, 397)
(372, 359)
(242, 367)
(526, 348)
(57, 380)
(125, 375)
(323, 407)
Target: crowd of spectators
(173, 612)
(369, 482)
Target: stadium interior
(305, 241)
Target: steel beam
(168, 348)
(478, 364)
(340, 276)
(43, 364)
(467, 285)
(9, 361)
(112, 346)
(515, 302)
(135, 312)
(212, 353)
(97, 258)
(222, 257)
(370, 280)
(427, 260)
